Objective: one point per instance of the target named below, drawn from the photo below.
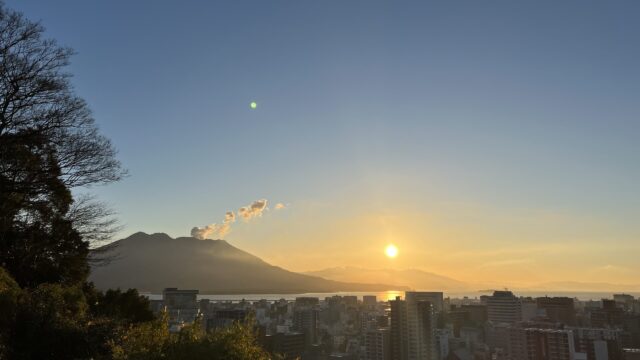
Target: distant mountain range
(154, 262)
(586, 286)
(423, 280)
(412, 278)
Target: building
(413, 323)
(503, 307)
(180, 299)
(226, 317)
(377, 344)
(631, 324)
(598, 344)
(631, 354)
(290, 345)
(306, 301)
(182, 307)
(422, 344)
(477, 313)
(497, 336)
(609, 315)
(436, 298)
(350, 300)
(441, 344)
(544, 344)
(529, 309)
(471, 336)
(341, 356)
(558, 309)
(624, 300)
(369, 300)
(399, 334)
(458, 319)
(305, 320)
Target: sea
(390, 295)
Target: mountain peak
(144, 235)
(413, 278)
(212, 266)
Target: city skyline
(484, 141)
(319, 180)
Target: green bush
(152, 340)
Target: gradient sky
(489, 140)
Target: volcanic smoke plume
(212, 230)
(253, 210)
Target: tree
(49, 321)
(9, 292)
(124, 306)
(52, 321)
(49, 144)
(152, 340)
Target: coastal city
(423, 325)
(319, 180)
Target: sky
(487, 140)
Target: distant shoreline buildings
(424, 325)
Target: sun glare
(391, 251)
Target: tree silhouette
(49, 144)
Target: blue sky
(372, 108)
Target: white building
(503, 307)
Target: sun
(391, 251)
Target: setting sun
(391, 251)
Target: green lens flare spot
(253, 104)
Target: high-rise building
(458, 318)
(624, 300)
(597, 343)
(399, 334)
(529, 309)
(503, 307)
(497, 335)
(180, 299)
(477, 313)
(181, 305)
(305, 320)
(608, 315)
(350, 300)
(290, 345)
(558, 309)
(436, 298)
(631, 324)
(369, 300)
(422, 343)
(377, 344)
(221, 318)
(544, 344)
(412, 328)
(441, 344)
(306, 301)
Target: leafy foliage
(53, 321)
(49, 144)
(153, 340)
(127, 306)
